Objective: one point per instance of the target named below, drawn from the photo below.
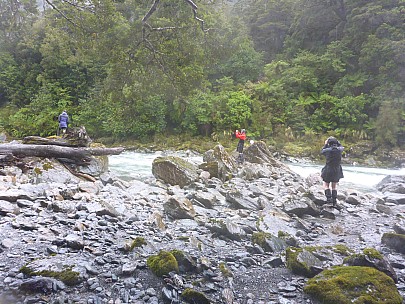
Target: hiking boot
(334, 197)
(328, 196)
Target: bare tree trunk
(53, 151)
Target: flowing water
(136, 165)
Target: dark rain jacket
(332, 171)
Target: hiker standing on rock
(242, 137)
(332, 171)
(63, 120)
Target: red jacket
(239, 135)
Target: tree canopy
(133, 69)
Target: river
(137, 165)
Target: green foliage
(353, 284)
(387, 124)
(237, 111)
(276, 68)
(40, 116)
(199, 112)
(243, 65)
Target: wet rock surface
(74, 241)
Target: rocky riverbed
(239, 233)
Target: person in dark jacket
(332, 171)
(63, 120)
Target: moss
(176, 160)
(162, 263)
(178, 254)
(353, 284)
(293, 264)
(373, 253)
(342, 249)
(37, 171)
(137, 242)
(192, 296)
(259, 238)
(224, 270)
(259, 221)
(26, 270)
(47, 166)
(184, 238)
(67, 276)
(282, 234)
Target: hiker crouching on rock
(332, 171)
(242, 137)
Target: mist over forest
(130, 69)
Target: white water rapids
(136, 165)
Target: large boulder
(174, 170)
(353, 284)
(372, 258)
(259, 153)
(392, 183)
(218, 163)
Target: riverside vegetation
(129, 70)
(234, 234)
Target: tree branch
(60, 12)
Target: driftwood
(74, 137)
(53, 141)
(78, 155)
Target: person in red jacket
(242, 137)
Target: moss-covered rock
(373, 253)
(137, 242)
(353, 284)
(342, 249)
(301, 261)
(271, 243)
(195, 297)
(162, 263)
(67, 276)
(174, 170)
(372, 258)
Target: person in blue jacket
(332, 171)
(63, 120)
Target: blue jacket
(63, 120)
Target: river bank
(363, 152)
(65, 240)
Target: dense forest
(134, 69)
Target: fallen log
(52, 151)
